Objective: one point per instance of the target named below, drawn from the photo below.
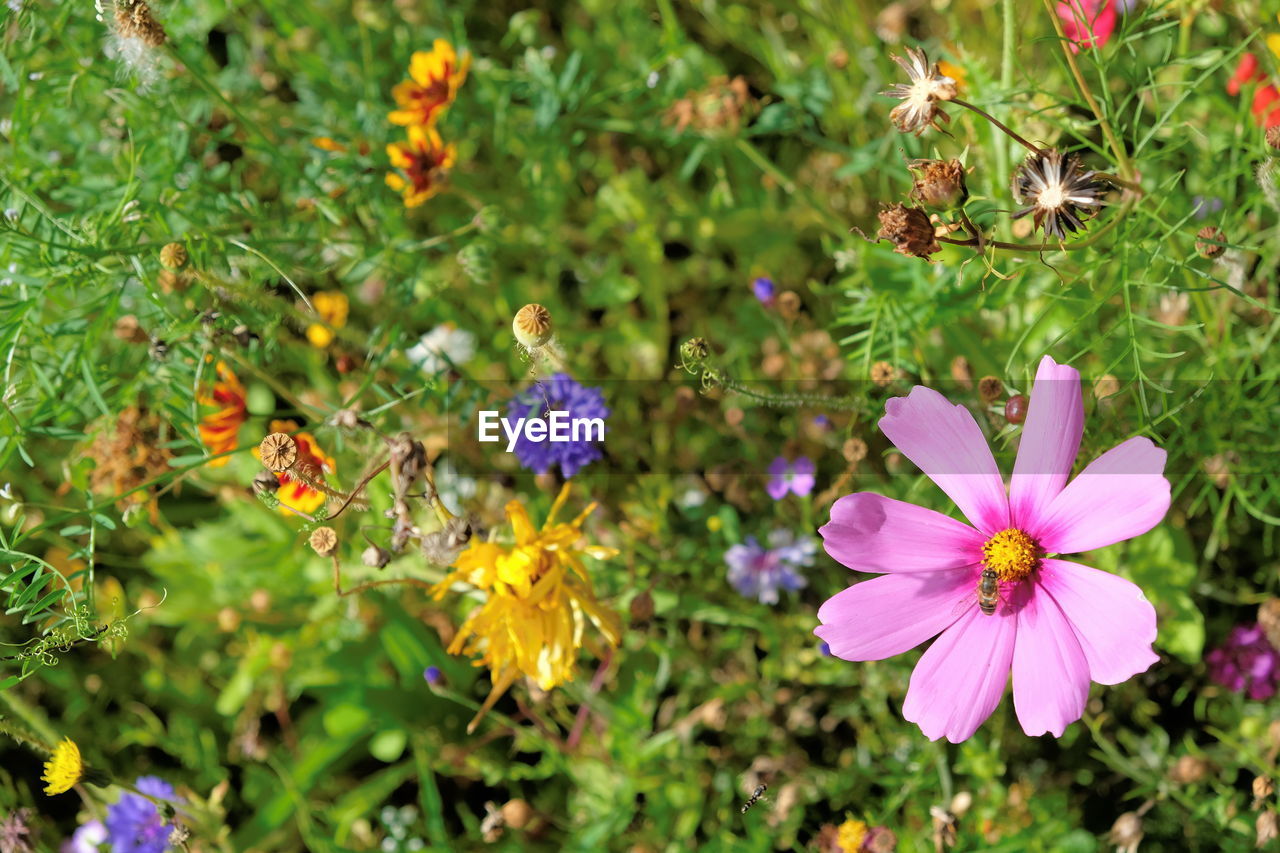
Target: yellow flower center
(1011, 554)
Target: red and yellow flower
(424, 160)
(435, 76)
(294, 492)
(220, 431)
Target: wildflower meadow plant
(1055, 623)
(580, 403)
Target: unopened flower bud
(477, 262)
(1209, 242)
(488, 219)
(1015, 409)
(939, 183)
(1188, 770)
(324, 541)
(516, 813)
(1126, 833)
(173, 256)
(909, 229)
(532, 326)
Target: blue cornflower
(134, 823)
(560, 393)
(759, 572)
(763, 289)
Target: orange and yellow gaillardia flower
(425, 160)
(220, 430)
(311, 461)
(538, 599)
(435, 76)
(333, 308)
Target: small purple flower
(134, 823)
(763, 289)
(787, 476)
(759, 572)
(87, 839)
(560, 394)
(1205, 206)
(821, 421)
(1246, 662)
(433, 675)
(825, 648)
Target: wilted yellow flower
(333, 307)
(63, 769)
(425, 160)
(435, 76)
(538, 598)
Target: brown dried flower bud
(910, 231)
(408, 460)
(129, 330)
(1209, 242)
(1267, 827)
(882, 373)
(279, 451)
(1273, 137)
(1263, 789)
(1126, 833)
(1269, 619)
(375, 557)
(532, 326)
(516, 813)
(854, 450)
(990, 389)
(135, 21)
(173, 256)
(442, 546)
(1189, 769)
(788, 304)
(939, 183)
(961, 373)
(880, 839)
(324, 541)
(1106, 386)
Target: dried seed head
(442, 546)
(279, 451)
(1273, 137)
(910, 231)
(375, 557)
(854, 450)
(1209, 242)
(324, 541)
(532, 326)
(939, 183)
(1269, 619)
(1263, 788)
(882, 373)
(1267, 828)
(265, 483)
(1189, 769)
(173, 256)
(880, 839)
(135, 21)
(129, 330)
(1126, 833)
(990, 389)
(788, 304)
(408, 461)
(1058, 192)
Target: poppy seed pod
(532, 326)
(324, 541)
(1209, 242)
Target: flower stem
(1122, 159)
(1001, 125)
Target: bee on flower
(220, 431)
(538, 599)
(435, 77)
(423, 160)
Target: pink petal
(1113, 620)
(1050, 441)
(1120, 495)
(1050, 672)
(872, 533)
(946, 443)
(961, 677)
(888, 615)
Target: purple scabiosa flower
(560, 394)
(763, 289)
(1246, 662)
(787, 476)
(87, 839)
(759, 572)
(134, 823)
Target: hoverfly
(755, 796)
(987, 594)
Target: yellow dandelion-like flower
(851, 835)
(333, 307)
(63, 769)
(538, 600)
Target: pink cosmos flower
(1055, 623)
(1087, 23)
